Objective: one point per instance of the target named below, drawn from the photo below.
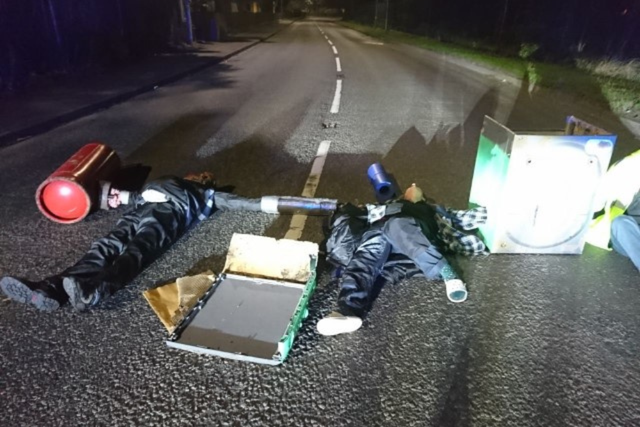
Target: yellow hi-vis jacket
(618, 187)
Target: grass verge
(611, 90)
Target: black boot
(46, 294)
(87, 293)
(83, 293)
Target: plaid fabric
(208, 204)
(452, 225)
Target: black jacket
(186, 198)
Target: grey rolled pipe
(267, 204)
(298, 205)
(233, 202)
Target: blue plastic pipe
(381, 182)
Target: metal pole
(54, 23)
(386, 17)
(375, 17)
(502, 21)
(120, 18)
(187, 4)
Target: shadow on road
(443, 167)
(456, 403)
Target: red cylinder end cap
(65, 200)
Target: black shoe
(44, 295)
(82, 293)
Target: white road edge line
(298, 221)
(338, 66)
(335, 107)
(334, 50)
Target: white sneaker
(337, 323)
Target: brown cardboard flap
(259, 256)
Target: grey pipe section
(276, 204)
(298, 205)
(268, 204)
(232, 202)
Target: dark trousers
(137, 240)
(387, 253)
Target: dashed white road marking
(338, 66)
(335, 51)
(335, 107)
(298, 221)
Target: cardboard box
(256, 306)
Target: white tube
(456, 290)
(124, 197)
(105, 188)
(269, 204)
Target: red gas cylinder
(73, 190)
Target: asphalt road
(542, 340)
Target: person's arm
(469, 219)
(619, 184)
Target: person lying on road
(164, 210)
(370, 249)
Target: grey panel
(244, 315)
